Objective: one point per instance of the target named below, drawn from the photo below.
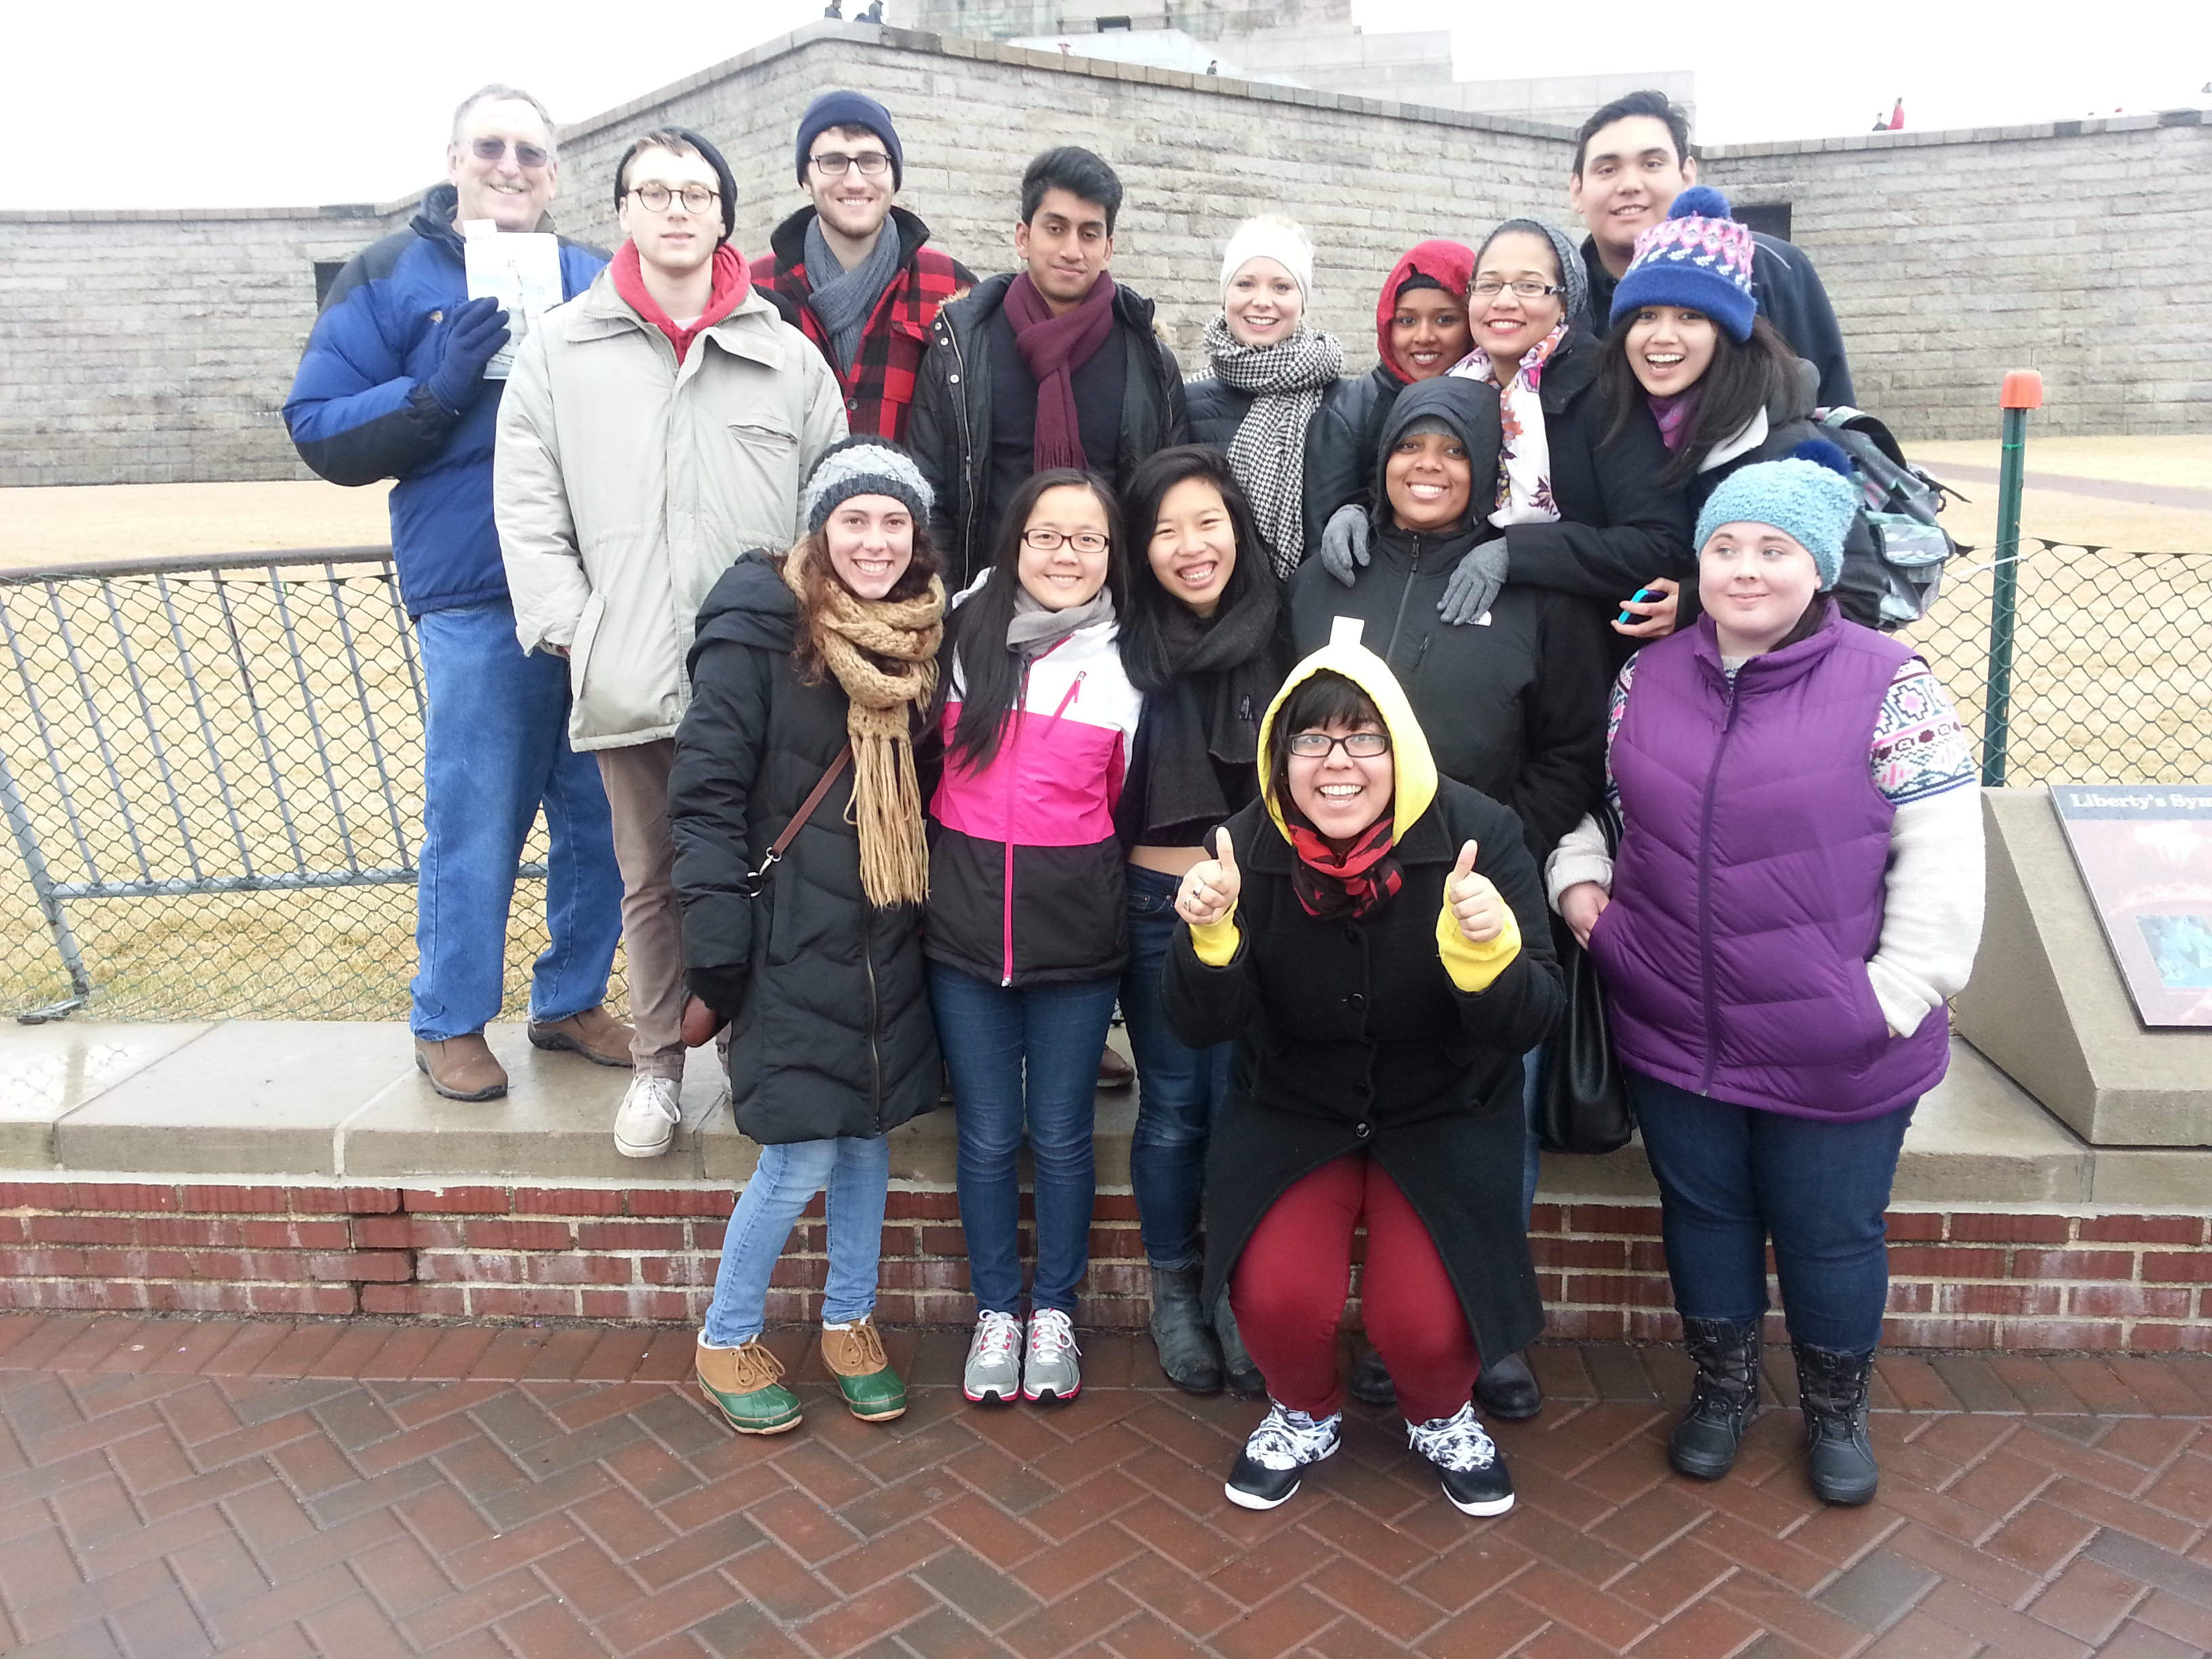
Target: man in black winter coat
(1631, 160)
(1054, 365)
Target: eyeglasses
(526, 155)
(1051, 541)
(1489, 288)
(833, 165)
(655, 198)
(1360, 745)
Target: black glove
(722, 989)
(475, 333)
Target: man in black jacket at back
(1631, 160)
(1054, 366)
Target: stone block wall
(2074, 247)
(158, 347)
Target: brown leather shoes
(1114, 1071)
(595, 1034)
(462, 1067)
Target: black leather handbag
(1582, 1105)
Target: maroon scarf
(1360, 881)
(1673, 413)
(1055, 348)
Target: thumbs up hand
(1473, 903)
(1209, 891)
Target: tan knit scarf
(853, 635)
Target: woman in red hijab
(1421, 331)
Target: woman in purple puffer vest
(1797, 891)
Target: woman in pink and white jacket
(1024, 926)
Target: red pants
(1289, 1289)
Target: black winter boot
(1187, 1354)
(1726, 1354)
(1237, 1367)
(1832, 1393)
(1507, 1389)
(1370, 1383)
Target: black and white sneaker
(1466, 1459)
(1276, 1457)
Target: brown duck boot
(595, 1034)
(745, 1385)
(462, 1067)
(854, 1354)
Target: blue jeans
(1532, 1151)
(495, 747)
(1023, 1057)
(856, 1174)
(1732, 1176)
(1179, 1090)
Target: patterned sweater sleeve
(1931, 925)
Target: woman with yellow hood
(1373, 937)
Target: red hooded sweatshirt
(731, 285)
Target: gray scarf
(1035, 630)
(1268, 453)
(844, 299)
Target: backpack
(1898, 523)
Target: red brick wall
(1959, 1279)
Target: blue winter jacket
(361, 408)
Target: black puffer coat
(831, 1034)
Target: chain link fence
(211, 770)
(211, 779)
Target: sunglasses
(526, 155)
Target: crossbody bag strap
(775, 851)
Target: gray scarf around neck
(1035, 630)
(1288, 380)
(845, 300)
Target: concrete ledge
(343, 1102)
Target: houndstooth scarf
(1268, 453)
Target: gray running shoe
(993, 1372)
(1050, 1374)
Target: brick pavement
(171, 1488)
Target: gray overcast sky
(189, 104)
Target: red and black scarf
(1361, 880)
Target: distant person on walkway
(392, 386)
(1272, 378)
(866, 284)
(1798, 890)
(1055, 366)
(654, 430)
(818, 662)
(1372, 937)
(1632, 159)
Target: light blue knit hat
(1809, 498)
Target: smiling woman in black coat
(1373, 939)
(813, 667)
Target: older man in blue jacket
(392, 386)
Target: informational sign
(2145, 854)
(521, 270)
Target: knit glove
(1474, 583)
(474, 334)
(1344, 543)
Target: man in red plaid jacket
(856, 269)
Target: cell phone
(1641, 596)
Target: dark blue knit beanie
(850, 109)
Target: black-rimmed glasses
(655, 198)
(1050, 541)
(833, 165)
(1360, 745)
